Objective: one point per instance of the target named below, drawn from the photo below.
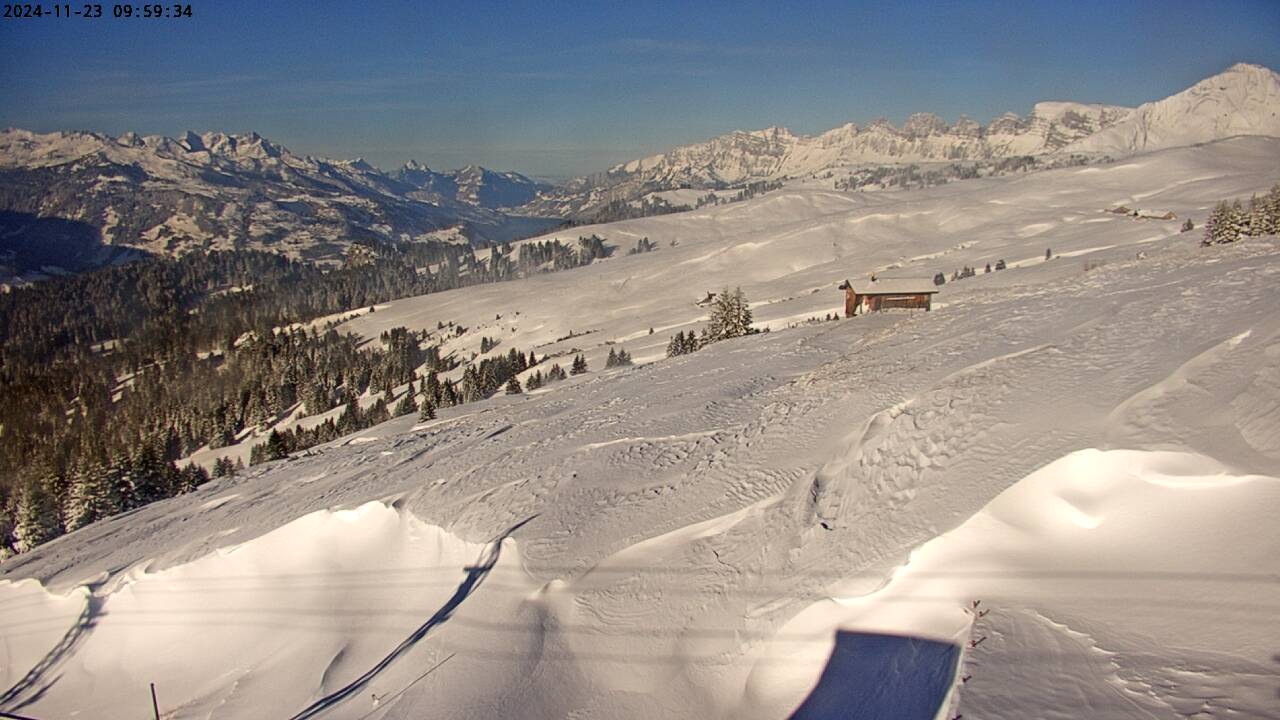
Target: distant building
(873, 295)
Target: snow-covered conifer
(93, 495)
(427, 410)
(38, 517)
(730, 316)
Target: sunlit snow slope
(1087, 445)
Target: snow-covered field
(1092, 454)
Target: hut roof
(894, 286)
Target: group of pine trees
(50, 503)
(532, 257)
(744, 192)
(968, 272)
(620, 209)
(730, 317)
(554, 374)
(173, 354)
(913, 176)
(1228, 222)
(120, 451)
(618, 358)
(643, 245)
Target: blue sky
(561, 88)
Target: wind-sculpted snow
(1084, 444)
(273, 627)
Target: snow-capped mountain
(472, 185)
(742, 157)
(215, 190)
(1244, 100)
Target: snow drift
(324, 612)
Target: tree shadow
(37, 681)
(1276, 657)
(475, 575)
(871, 676)
(30, 243)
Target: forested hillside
(111, 376)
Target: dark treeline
(616, 210)
(913, 176)
(110, 376)
(743, 192)
(652, 204)
(479, 381)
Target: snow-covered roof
(895, 286)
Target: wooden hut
(881, 294)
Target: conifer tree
(427, 410)
(676, 345)
(1273, 210)
(1215, 225)
(579, 365)
(377, 414)
(1263, 214)
(190, 477)
(431, 387)
(1237, 221)
(152, 478)
(449, 395)
(352, 418)
(223, 467)
(38, 517)
(93, 496)
(408, 404)
(1255, 217)
(513, 386)
(276, 448)
(730, 316)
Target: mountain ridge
(1054, 127)
(222, 191)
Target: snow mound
(334, 608)
(1105, 549)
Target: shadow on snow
(475, 575)
(871, 676)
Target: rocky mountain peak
(924, 124)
